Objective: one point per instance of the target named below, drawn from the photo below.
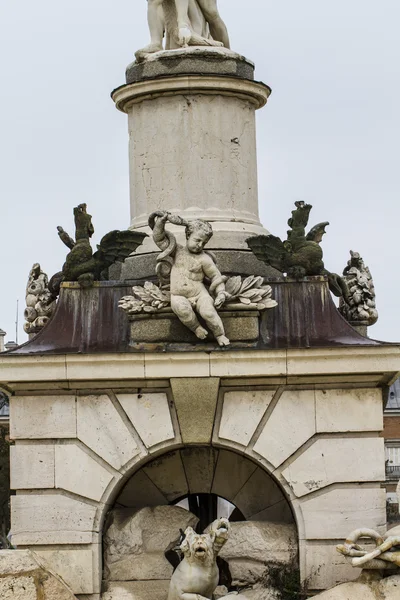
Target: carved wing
(270, 250)
(116, 246)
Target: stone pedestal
(192, 137)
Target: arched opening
(200, 483)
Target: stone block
(77, 472)
(336, 460)
(240, 326)
(248, 364)
(136, 590)
(351, 591)
(258, 493)
(23, 576)
(241, 413)
(168, 475)
(18, 588)
(135, 543)
(203, 61)
(195, 401)
(140, 491)
(324, 567)
(277, 513)
(199, 465)
(32, 466)
(40, 519)
(251, 546)
(102, 429)
(338, 511)
(74, 565)
(349, 410)
(41, 417)
(282, 436)
(150, 415)
(230, 462)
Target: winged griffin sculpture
(82, 264)
(301, 254)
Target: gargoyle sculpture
(84, 266)
(40, 301)
(361, 304)
(197, 575)
(301, 254)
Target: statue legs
(182, 307)
(156, 21)
(184, 26)
(218, 28)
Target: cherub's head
(198, 234)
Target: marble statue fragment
(184, 23)
(190, 283)
(196, 577)
(361, 303)
(385, 555)
(40, 301)
(300, 255)
(82, 264)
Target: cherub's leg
(155, 19)
(206, 308)
(185, 313)
(217, 26)
(184, 27)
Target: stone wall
(304, 445)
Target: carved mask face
(197, 547)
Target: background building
(391, 434)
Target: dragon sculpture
(301, 254)
(82, 264)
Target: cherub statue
(301, 254)
(361, 305)
(185, 23)
(197, 575)
(188, 266)
(84, 266)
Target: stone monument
(121, 407)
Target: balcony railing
(392, 472)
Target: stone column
(191, 117)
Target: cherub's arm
(217, 281)
(159, 235)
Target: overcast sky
(329, 135)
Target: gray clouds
(329, 134)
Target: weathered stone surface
(136, 590)
(259, 493)
(165, 327)
(212, 61)
(256, 592)
(41, 519)
(336, 460)
(24, 577)
(252, 545)
(281, 436)
(168, 475)
(329, 515)
(89, 480)
(76, 565)
(241, 413)
(32, 466)
(149, 414)
(387, 589)
(230, 462)
(140, 491)
(199, 465)
(349, 410)
(39, 417)
(195, 401)
(102, 429)
(135, 543)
